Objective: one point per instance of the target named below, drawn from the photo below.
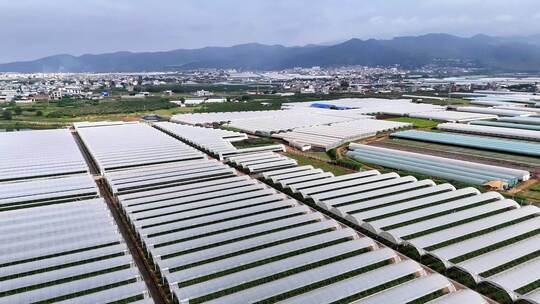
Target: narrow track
(145, 268)
(152, 282)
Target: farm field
(303, 161)
(417, 122)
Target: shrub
(7, 115)
(253, 142)
(349, 164)
(332, 153)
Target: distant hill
(495, 53)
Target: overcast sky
(31, 29)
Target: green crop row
(283, 274)
(243, 251)
(261, 262)
(495, 246)
(478, 233)
(453, 224)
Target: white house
(202, 93)
(215, 100)
(308, 90)
(191, 102)
(56, 95)
(7, 95)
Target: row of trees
(8, 114)
(238, 106)
(112, 107)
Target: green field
(530, 196)
(532, 193)
(254, 142)
(40, 115)
(417, 122)
(535, 187)
(44, 114)
(55, 114)
(303, 161)
(321, 155)
(255, 105)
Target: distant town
(54, 98)
(25, 87)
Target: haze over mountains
(512, 54)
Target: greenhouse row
(39, 192)
(221, 117)
(235, 240)
(518, 108)
(310, 114)
(216, 142)
(495, 111)
(252, 150)
(114, 147)
(232, 239)
(476, 238)
(496, 103)
(287, 120)
(289, 176)
(531, 120)
(213, 141)
(452, 116)
(330, 110)
(165, 175)
(60, 242)
(369, 106)
(42, 153)
(68, 252)
(512, 133)
(282, 177)
(451, 169)
(331, 136)
(517, 100)
(351, 103)
(290, 111)
(505, 125)
(471, 141)
(261, 162)
(89, 124)
(309, 141)
(214, 236)
(300, 115)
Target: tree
(39, 113)
(18, 110)
(7, 115)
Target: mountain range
(509, 54)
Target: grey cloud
(35, 28)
